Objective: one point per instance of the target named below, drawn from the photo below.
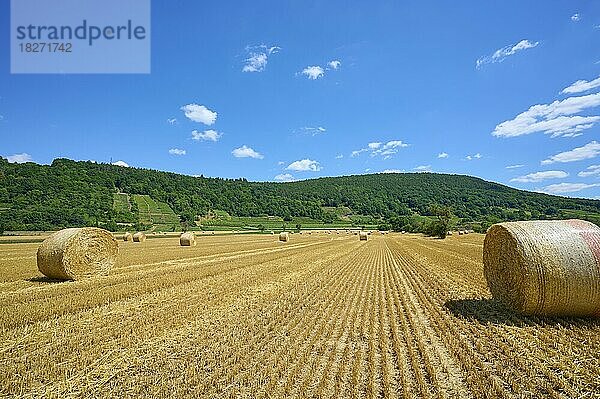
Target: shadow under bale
(490, 311)
(44, 279)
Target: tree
(384, 226)
(186, 219)
(111, 226)
(439, 226)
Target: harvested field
(321, 316)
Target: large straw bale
(284, 236)
(127, 237)
(139, 237)
(76, 253)
(545, 267)
(187, 239)
(363, 236)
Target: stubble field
(320, 316)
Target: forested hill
(69, 193)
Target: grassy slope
(121, 202)
(154, 212)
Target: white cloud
(581, 85)
(443, 155)
(121, 163)
(284, 177)
(562, 188)
(590, 150)
(575, 17)
(255, 63)
(313, 72)
(541, 176)
(280, 163)
(177, 151)
(246, 152)
(172, 121)
(335, 64)
(258, 56)
(316, 71)
(377, 148)
(313, 131)
(556, 118)
(339, 156)
(515, 166)
(207, 135)
(392, 171)
(199, 113)
(593, 170)
(472, 157)
(19, 158)
(389, 148)
(423, 168)
(304, 165)
(501, 54)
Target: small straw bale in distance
(187, 239)
(363, 235)
(548, 268)
(127, 237)
(284, 236)
(73, 254)
(139, 237)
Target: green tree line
(69, 193)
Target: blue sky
(278, 90)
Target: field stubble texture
(396, 316)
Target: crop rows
(396, 316)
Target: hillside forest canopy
(74, 193)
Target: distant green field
(162, 218)
(575, 214)
(223, 221)
(153, 212)
(121, 202)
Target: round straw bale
(545, 267)
(127, 237)
(363, 236)
(284, 236)
(76, 253)
(187, 239)
(139, 237)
